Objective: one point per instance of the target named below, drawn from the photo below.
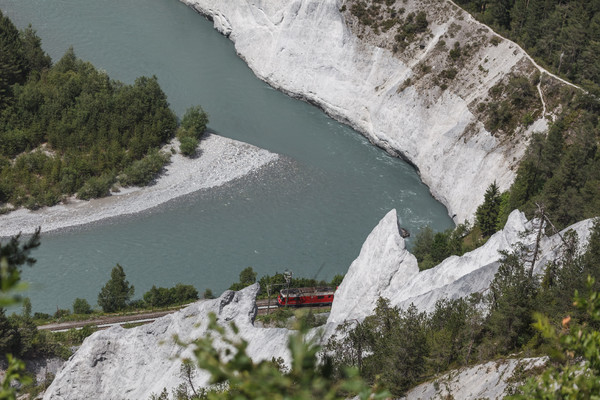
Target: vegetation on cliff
(402, 348)
(563, 36)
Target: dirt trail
(539, 67)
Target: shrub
(162, 297)
(61, 313)
(449, 73)
(188, 146)
(421, 22)
(194, 121)
(455, 53)
(144, 171)
(96, 186)
(81, 306)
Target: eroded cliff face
(135, 363)
(420, 101)
(491, 380)
(384, 268)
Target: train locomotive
(308, 296)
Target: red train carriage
(310, 296)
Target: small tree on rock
(247, 278)
(117, 292)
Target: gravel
(220, 160)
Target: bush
(144, 171)
(455, 53)
(81, 306)
(188, 146)
(61, 313)
(194, 121)
(96, 187)
(163, 297)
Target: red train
(309, 296)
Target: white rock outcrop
(485, 381)
(384, 268)
(308, 48)
(135, 363)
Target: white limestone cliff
(491, 380)
(384, 268)
(311, 50)
(135, 363)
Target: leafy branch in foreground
(14, 373)
(12, 256)
(579, 377)
(239, 377)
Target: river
(311, 214)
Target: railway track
(262, 305)
(108, 321)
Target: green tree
(9, 335)
(81, 306)
(579, 375)
(512, 297)
(439, 247)
(117, 292)
(247, 278)
(399, 347)
(13, 255)
(37, 60)
(423, 243)
(26, 308)
(194, 121)
(487, 213)
(337, 280)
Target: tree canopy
(69, 128)
(117, 292)
(563, 35)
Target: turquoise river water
(311, 214)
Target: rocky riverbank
(220, 160)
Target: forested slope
(564, 36)
(68, 128)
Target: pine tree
(487, 213)
(117, 292)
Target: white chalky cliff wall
(306, 48)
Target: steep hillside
(421, 79)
